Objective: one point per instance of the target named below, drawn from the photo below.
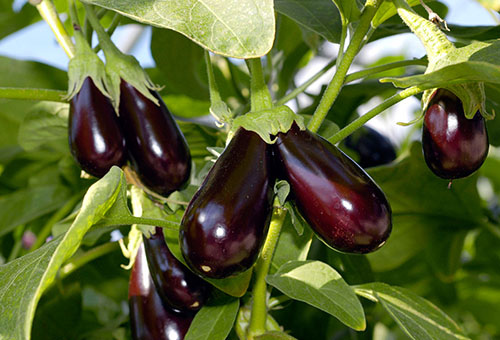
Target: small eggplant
(225, 224)
(373, 148)
(149, 319)
(177, 285)
(453, 146)
(157, 148)
(342, 204)
(95, 138)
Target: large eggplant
(343, 205)
(95, 138)
(225, 224)
(453, 146)
(149, 319)
(157, 148)
(176, 284)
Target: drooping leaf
(319, 285)
(234, 28)
(214, 320)
(417, 317)
(275, 335)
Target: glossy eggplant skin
(149, 319)
(341, 203)
(373, 148)
(176, 284)
(453, 146)
(157, 148)
(225, 224)
(95, 138)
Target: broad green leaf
(28, 204)
(186, 106)
(387, 10)
(320, 16)
(319, 285)
(234, 28)
(348, 9)
(23, 281)
(181, 63)
(47, 123)
(14, 21)
(417, 317)
(214, 320)
(275, 335)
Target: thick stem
(49, 14)
(260, 97)
(104, 40)
(335, 85)
(346, 131)
(434, 41)
(33, 94)
(259, 306)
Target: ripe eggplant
(149, 319)
(342, 204)
(225, 224)
(373, 148)
(157, 148)
(453, 146)
(177, 285)
(95, 138)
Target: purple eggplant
(176, 284)
(342, 204)
(149, 319)
(95, 138)
(372, 147)
(157, 148)
(225, 224)
(453, 146)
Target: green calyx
(120, 66)
(267, 123)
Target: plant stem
(87, 257)
(56, 217)
(33, 94)
(258, 318)
(128, 220)
(377, 69)
(104, 40)
(335, 85)
(49, 14)
(343, 37)
(305, 85)
(111, 29)
(346, 131)
(260, 97)
(214, 91)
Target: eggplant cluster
(453, 146)
(164, 295)
(144, 133)
(225, 224)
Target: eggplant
(178, 287)
(453, 146)
(341, 203)
(157, 148)
(373, 148)
(226, 221)
(95, 139)
(149, 319)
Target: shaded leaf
(275, 335)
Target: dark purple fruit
(157, 148)
(177, 285)
(454, 146)
(372, 147)
(226, 222)
(149, 319)
(95, 138)
(342, 204)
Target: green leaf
(417, 317)
(348, 9)
(181, 64)
(14, 21)
(275, 335)
(282, 190)
(387, 10)
(28, 204)
(214, 320)
(320, 16)
(23, 280)
(234, 28)
(319, 285)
